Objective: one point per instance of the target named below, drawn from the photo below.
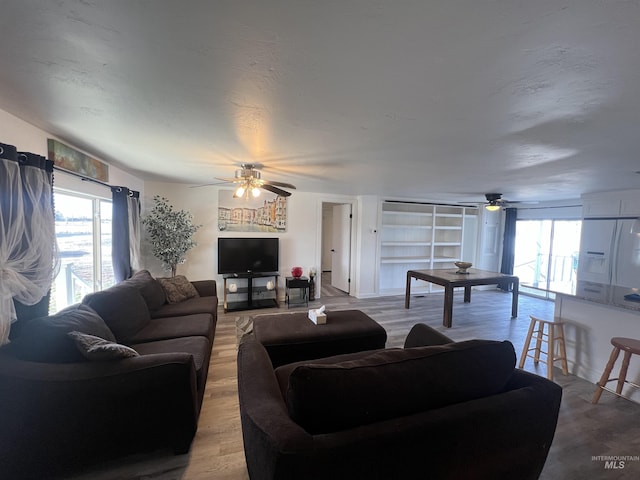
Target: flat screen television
(248, 255)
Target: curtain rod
(89, 179)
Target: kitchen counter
(607, 295)
(589, 326)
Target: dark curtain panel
(28, 251)
(508, 245)
(125, 232)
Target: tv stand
(249, 296)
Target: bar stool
(553, 336)
(630, 346)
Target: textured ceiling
(439, 99)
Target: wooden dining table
(450, 279)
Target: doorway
(335, 264)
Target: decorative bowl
(296, 272)
(462, 266)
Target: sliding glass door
(546, 256)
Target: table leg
(448, 307)
(407, 291)
(467, 294)
(514, 298)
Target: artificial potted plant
(171, 233)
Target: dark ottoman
(292, 337)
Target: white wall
(300, 244)
(366, 261)
(28, 138)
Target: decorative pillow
(45, 339)
(122, 308)
(98, 349)
(386, 384)
(178, 288)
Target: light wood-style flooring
(584, 430)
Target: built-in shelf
(419, 236)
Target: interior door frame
(337, 199)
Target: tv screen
(247, 255)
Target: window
(83, 232)
(546, 256)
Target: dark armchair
(454, 410)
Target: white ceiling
(442, 99)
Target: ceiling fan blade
(276, 190)
(208, 184)
(228, 180)
(280, 184)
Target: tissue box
(317, 318)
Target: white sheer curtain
(125, 251)
(28, 253)
(133, 202)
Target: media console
(250, 296)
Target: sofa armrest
(62, 415)
(205, 288)
(422, 335)
(267, 430)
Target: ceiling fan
(249, 182)
(496, 202)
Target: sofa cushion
(327, 397)
(199, 324)
(150, 289)
(45, 339)
(122, 308)
(177, 289)
(188, 307)
(99, 349)
(199, 347)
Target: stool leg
(623, 372)
(605, 375)
(563, 350)
(551, 351)
(525, 349)
(540, 334)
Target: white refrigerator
(609, 262)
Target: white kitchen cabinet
(623, 203)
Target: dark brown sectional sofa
(60, 411)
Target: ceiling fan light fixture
(240, 191)
(493, 201)
(255, 191)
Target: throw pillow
(45, 339)
(178, 288)
(98, 349)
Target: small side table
(301, 284)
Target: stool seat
(553, 336)
(627, 344)
(630, 346)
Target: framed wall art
(266, 213)
(72, 160)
